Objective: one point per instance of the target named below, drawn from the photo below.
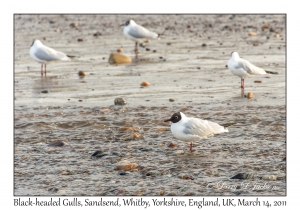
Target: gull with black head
(193, 129)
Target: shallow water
(194, 76)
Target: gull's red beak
(167, 120)
(122, 25)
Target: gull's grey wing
(48, 55)
(202, 128)
(140, 32)
(249, 67)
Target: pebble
(250, 95)
(81, 73)
(171, 99)
(276, 35)
(172, 144)
(56, 144)
(204, 45)
(145, 84)
(97, 34)
(154, 51)
(80, 40)
(80, 100)
(120, 50)
(145, 149)
(252, 33)
(169, 43)
(147, 49)
(162, 192)
(272, 177)
(122, 173)
(125, 165)
(257, 81)
(120, 101)
(242, 176)
(74, 25)
(44, 91)
(136, 136)
(118, 58)
(53, 189)
(98, 154)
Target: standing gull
(45, 55)
(244, 69)
(137, 33)
(193, 129)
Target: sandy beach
(187, 65)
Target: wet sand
(183, 69)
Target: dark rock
(98, 154)
(145, 149)
(242, 176)
(122, 173)
(44, 91)
(120, 101)
(56, 144)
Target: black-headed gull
(244, 69)
(137, 33)
(45, 55)
(193, 129)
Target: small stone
(126, 165)
(45, 38)
(98, 154)
(252, 33)
(272, 178)
(200, 35)
(276, 35)
(53, 189)
(74, 25)
(65, 173)
(172, 144)
(56, 144)
(136, 136)
(120, 101)
(204, 45)
(242, 176)
(80, 40)
(57, 30)
(184, 176)
(118, 58)
(169, 43)
(145, 84)
(44, 91)
(120, 50)
(161, 192)
(265, 27)
(122, 173)
(147, 49)
(154, 51)
(81, 73)
(257, 81)
(80, 100)
(145, 149)
(171, 99)
(250, 95)
(97, 34)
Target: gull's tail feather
(72, 56)
(271, 72)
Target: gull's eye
(176, 117)
(127, 23)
